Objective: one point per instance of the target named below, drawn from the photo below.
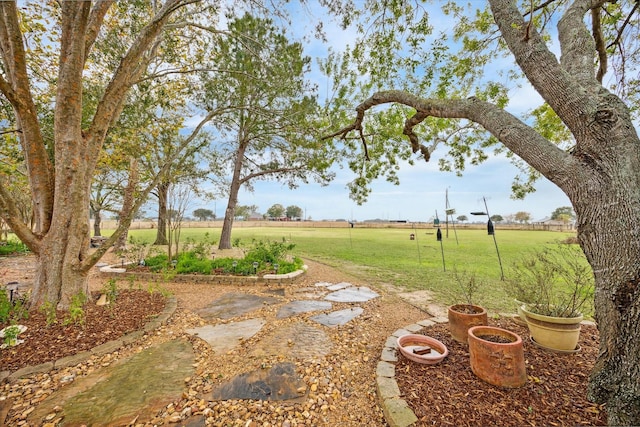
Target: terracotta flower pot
(553, 333)
(422, 349)
(464, 316)
(497, 356)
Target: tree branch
(11, 216)
(576, 44)
(16, 89)
(559, 85)
(596, 30)
(96, 18)
(132, 66)
(551, 161)
(624, 25)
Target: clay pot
(464, 316)
(498, 363)
(553, 333)
(422, 349)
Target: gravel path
(341, 385)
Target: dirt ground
(343, 382)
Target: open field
(388, 257)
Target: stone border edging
(396, 411)
(113, 271)
(108, 347)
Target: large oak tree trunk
(59, 274)
(609, 233)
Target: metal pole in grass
(439, 238)
(491, 232)
(449, 212)
(415, 233)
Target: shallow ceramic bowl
(410, 343)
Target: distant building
(547, 223)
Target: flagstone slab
(133, 388)
(302, 306)
(352, 294)
(279, 382)
(339, 286)
(323, 284)
(235, 304)
(295, 340)
(309, 292)
(337, 318)
(223, 338)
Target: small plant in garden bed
(555, 281)
(11, 247)
(12, 311)
(263, 258)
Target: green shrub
(269, 251)
(110, 289)
(11, 312)
(196, 261)
(11, 247)
(49, 310)
(11, 335)
(157, 262)
(76, 310)
(193, 265)
(5, 307)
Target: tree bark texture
(163, 197)
(128, 201)
(97, 220)
(230, 211)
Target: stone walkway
(126, 392)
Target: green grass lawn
(387, 255)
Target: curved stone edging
(108, 347)
(396, 411)
(113, 271)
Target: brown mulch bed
(554, 395)
(46, 343)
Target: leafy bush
(5, 306)
(269, 252)
(11, 247)
(12, 312)
(191, 262)
(76, 310)
(196, 261)
(555, 281)
(157, 262)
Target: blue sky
(422, 187)
(422, 192)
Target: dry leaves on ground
(48, 342)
